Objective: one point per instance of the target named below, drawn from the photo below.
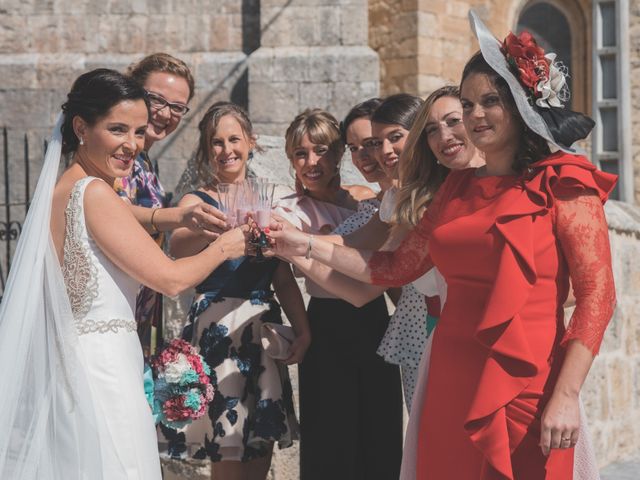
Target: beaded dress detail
(102, 298)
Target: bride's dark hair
(92, 95)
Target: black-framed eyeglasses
(158, 102)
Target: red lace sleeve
(411, 259)
(582, 230)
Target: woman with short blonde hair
(343, 384)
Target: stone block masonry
(35, 86)
(284, 81)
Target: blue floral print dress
(253, 401)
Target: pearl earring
(81, 141)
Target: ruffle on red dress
(551, 186)
(510, 364)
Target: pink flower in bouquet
(175, 410)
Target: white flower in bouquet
(175, 370)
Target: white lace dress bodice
(102, 299)
(102, 296)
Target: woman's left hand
(298, 349)
(560, 422)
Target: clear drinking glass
(263, 202)
(227, 198)
(244, 201)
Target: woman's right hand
(234, 242)
(287, 240)
(204, 219)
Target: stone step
(629, 470)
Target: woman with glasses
(169, 86)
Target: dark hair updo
(399, 109)
(361, 110)
(91, 97)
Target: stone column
(313, 53)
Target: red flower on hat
(526, 57)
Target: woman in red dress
(505, 374)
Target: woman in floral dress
(253, 405)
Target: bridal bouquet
(182, 389)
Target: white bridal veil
(47, 421)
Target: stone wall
(393, 26)
(275, 57)
(313, 53)
(46, 44)
(423, 44)
(634, 74)
(611, 393)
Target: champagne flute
(227, 197)
(244, 196)
(262, 198)
(264, 203)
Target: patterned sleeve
(411, 259)
(584, 237)
(125, 188)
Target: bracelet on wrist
(153, 225)
(309, 247)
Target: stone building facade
(277, 57)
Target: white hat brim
(490, 47)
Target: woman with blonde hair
(253, 406)
(344, 386)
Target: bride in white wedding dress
(72, 404)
